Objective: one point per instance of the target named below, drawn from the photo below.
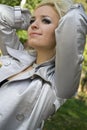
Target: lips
(34, 34)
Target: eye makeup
(43, 19)
(32, 20)
(46, 20)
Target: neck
(43, 56)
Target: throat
(45, 56)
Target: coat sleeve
(12, 18)
(71, 39)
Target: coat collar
(15, 63)
(22, 55)
(42, 71)
(25, 59)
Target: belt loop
(18, 16)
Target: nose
(35, 25)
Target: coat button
(20, 117)
(5, 60)
(7, 63)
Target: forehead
(45, 10)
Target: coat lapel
(18, 61)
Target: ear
(70, 42)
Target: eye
(32, 20)
(46, 20)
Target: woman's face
(41, 32)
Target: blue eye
(46, 21)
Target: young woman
(30, 90)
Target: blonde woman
(30, 82)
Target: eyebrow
(33, 17)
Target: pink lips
(34, 34)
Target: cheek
(28, 31)
(50, 37)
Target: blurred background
(73, 114)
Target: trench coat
(29, 99)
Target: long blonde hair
(60, 6)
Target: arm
(71, 38)
(12, 18)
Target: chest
(18, 99)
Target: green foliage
(84, 3)
(10, 2)
(71, 116)
(31, 4)
(22, 35)
(85, 59)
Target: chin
(34, 44)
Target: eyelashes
(32, 20)
(43, 20)
(46, 21)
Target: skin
(41, 32)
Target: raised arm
(71, 38)
(12, 18)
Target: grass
(71, 116)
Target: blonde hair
(60, 6)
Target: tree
(10, 2)
(22, 4)
(31, 4)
